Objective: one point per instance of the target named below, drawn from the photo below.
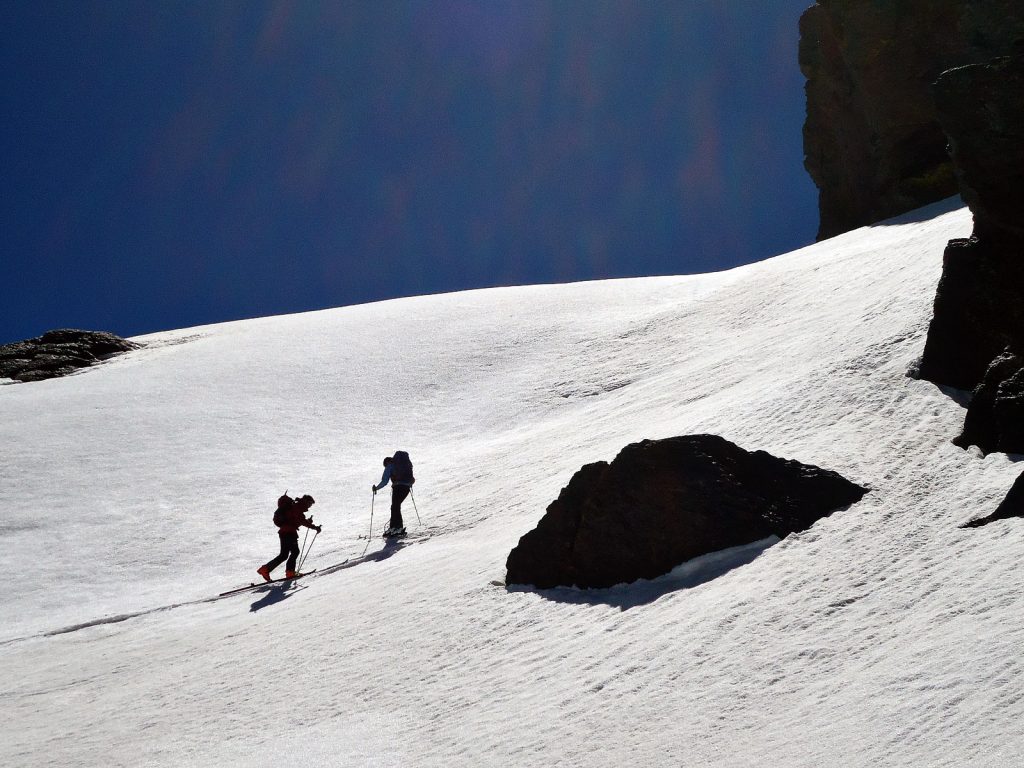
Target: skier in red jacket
(290, 516)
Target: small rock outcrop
(872, 138)
(58, 353)
(978, 312)
(1011, 506)
(663, 502)
(995, 416)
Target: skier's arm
(383, 478)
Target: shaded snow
(884, 635)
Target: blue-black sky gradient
(179, 163)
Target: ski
(265, 583)
(417, 534)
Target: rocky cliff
(872, 139)
(976, 336)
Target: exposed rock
(58, 353)
(1011, 506)
(978, 312)
(872, 139)
(981, 108)
(663, 502)
(979, 304)
(995, 416)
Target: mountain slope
(883, 635)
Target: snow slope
(136, 491)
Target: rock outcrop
(978, 312)
(1011, 506)
(977, 329)
(663, 502)
(979, 304)
(58, 353)
(995, 416)
(981, 109)
(872, 138)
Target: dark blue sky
(167, 164)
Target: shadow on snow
(692, 573)
(271, 593)
(274, 594)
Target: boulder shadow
(692, 573)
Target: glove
(318, 528)
(374, 487)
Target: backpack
(401, 469)
(281, 513)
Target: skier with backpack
(289, 517)
(397, 470)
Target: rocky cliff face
(873, 141)
(977, 331)
(910, 101)
(979, 305)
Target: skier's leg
(293, 552)
(398, 494)
(283, 554)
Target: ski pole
(302, 548)
(413, 497)
(369, 537)
(303, 558)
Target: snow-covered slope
(134, 492)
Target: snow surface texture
(883, 636)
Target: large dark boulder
(663, 502)
(872, 139)
(58, 353)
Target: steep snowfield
(133, 492)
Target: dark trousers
(289, 551)
(398, 494)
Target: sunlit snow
(134, 492)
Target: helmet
(387, 460)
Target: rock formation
(995, 417)
(977, 328)
(979, 304)
(872, 138)
(909, 101)
(1011, 506)
(58, 353)
(663, 502)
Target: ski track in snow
(135, 492)
(268, 592)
